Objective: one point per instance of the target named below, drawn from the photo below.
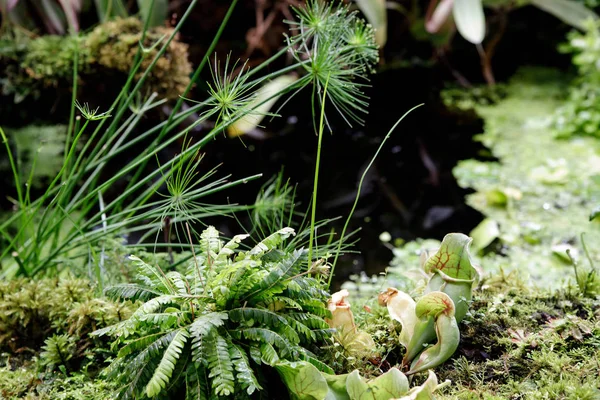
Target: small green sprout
(91, 114)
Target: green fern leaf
(229, 249)
(179, 281)
(279, 272)
(266, 336)
(164, 320)
(220, 365)
(139, 344)
(154, 276)
(131, 291)
(271, 242)
(201, 327)
(261, 316)
(245, 375)
(210, 244)
(163, 372)
(304, 330)
(268, 354)
(196, 383)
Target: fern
(220, 365)
(244, 375)
(163, 372)
(205, 331)
(131, 291)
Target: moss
(30, 65)
(32, 310)
(27, 383)
(114, 44)
(527, 346)
(49, 59)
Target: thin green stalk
(73, 98)
(362, 178)
(193, 79)
(316, 180)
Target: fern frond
(305, 331)
(315, 307)
(154, 276)
(245, 376)
(268, 354)
(220, 364)
(196, 383)
(131, 291)
(210, 244)
(179, 281)
(162, 373)
(261, 316)
(154, 305)
(309, 320)
(279, 272)
(281, 303)
(229, 249)
(164, 320)
(201, 327)
(266, 336)
(271, 242)
(134, 386)
(138, 344)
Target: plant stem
(316, 180)
(362, 178)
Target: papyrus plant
(437, 313)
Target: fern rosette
(205, 332)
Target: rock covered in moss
(114, 44)
(29, 65)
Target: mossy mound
(519, 344)
(30, 65)
(114, 44)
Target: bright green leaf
(570, 12)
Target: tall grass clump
(64, 227)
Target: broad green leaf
(434, 304)
(388, 386)
(453, 258)
(571, 12)
(303, 380)
(337, 387)
(157, 12)
(426, 390)
(470, 20)
(357, 387)
(484, 234)
(376, 14)
(392, 384)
